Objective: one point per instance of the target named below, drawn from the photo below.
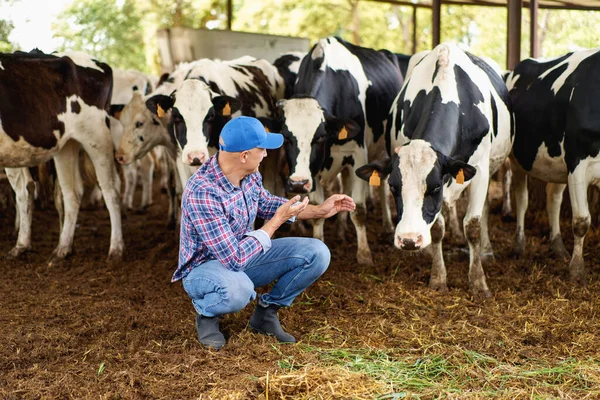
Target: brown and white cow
(50, 106)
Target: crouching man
(222, 259)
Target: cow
(450, 128)
(50, 105)
(557, 140)
(334, 123)
(288, 64)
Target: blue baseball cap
(245, 133)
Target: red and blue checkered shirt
(217, 219)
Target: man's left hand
(335, 204)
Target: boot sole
(268, 334)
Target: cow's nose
(411, 242)
(301, 186)
(196, 159)
(120, 158)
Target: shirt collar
(220, 177)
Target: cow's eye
(155, 122)
(141, 138)
(435, 190)
(138, 124)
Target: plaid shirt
(217, 219)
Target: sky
(32, 20)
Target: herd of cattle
(430, 125)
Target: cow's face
(141, 131)
(417, 174)
(197, 118)
(309, 133)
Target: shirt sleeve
(268, 203)
(206, 213)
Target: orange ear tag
(159, 111)
(343, 134)
(374, 180)
(460, 176)
(227, 110)
(267, 129)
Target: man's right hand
(285, 212)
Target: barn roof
(591, 5)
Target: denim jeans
(295, 263)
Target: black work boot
(265, 321)
(209, 334)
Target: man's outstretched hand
(335, 204)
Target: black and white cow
(450, 128)
(334, 123)
(50, 105)
(288, 65)
(213, 93)
(557, 140)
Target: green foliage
(5, 28)
(105, 30)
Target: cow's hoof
(577, 273)
(141, 210)
(487, 257)
(365, 258)
(480, 294)
(114, 258)
(438, 286)
(58, 256)
(558, 249)
(17, 252)
(519, 248)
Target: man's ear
(459, 170)
(226, 105)
(159, 104)
(342, 129)
(270, 124)
(115, 110)
(374, 171)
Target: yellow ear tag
(227, 110)
(343, 134)
(159, 111)
(374, 180)
(460, 176)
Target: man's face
(253, 158)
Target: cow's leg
(317, 197)
(130, 181)
(59, 204)
(522, 201)
(100, 150)
(147, 172)
(359, 190)
(23, 185)
(554, 195)
(384, 195)
(578, 185)
(172, 182)
(506, 175)
(341, 221)
(478, 190)
(487, 253)
(453, 222)
(163, 167)
(71, 185)
(437, 281)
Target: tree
(6, 27)
(104, 29)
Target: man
(222, 259)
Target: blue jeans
(295, 263)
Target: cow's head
(197, 116)
(309, 133)
(142, 130)
(417, 174)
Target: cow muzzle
(298, 186)
(410, 241)
(121, 158)
(196, 158)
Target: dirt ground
(86, 329)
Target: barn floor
(86, 329)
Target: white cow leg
(454, 224)
(384, 196)
(59, 204)
(341, 221)
(506, 173)
(487, 253)
(437, 281)
(147, 173)
(23, 185)
(130, 180)
(521, 201)
(69, 180)
(578, 185)
(317, 197)
(360, 189)
(477, 194)
(101, 154)
(554, 195)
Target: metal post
(229, 13)
(414, 30)
(513, 55)
(436, 13)
(534, 42)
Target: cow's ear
(270, 124)
(374, 171)
(226, 105)
(461, 171)
(159, 104)
(163, 78)
(342, 129)
(115, 110)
